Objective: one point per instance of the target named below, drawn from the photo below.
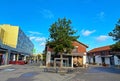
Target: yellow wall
(10, 35)
(1, 34)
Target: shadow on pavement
(103, 69)
(24, 77)
(20, 79)
(29, 74)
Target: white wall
(91, 60)
(116, 60)
(107, 60)
(84, 58)
(98, 59)
(87, 59)
(48, 57)
(13, 57)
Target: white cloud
(39, 39)
(32, 38)
(34, 33)
(102, 38)
(87, 32)
(47, 13)
(42, 44)
(101, 15)
(35, 36)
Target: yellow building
(9, 35)
(1, 34)
(15, 46)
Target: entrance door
(112, 60)
(0, 59)
(93, 59)
(103, 60)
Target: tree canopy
(62, 36)
(116, 32)
(116, 46)
(116, 37)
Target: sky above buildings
(93, 19)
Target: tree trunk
(61, 60)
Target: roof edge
(82, 43)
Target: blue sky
(93, 19)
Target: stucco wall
(98, 59)
(116, 60)
(48, 58)
(107, 60)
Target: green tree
(61, 37)
(116, 37)
(116, 46)
(34, 50)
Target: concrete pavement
(98, 74)
(29, 73)
(35, 73)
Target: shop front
(2, 57)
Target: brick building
(76, 58)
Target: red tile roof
(81, 47)
(100, 49)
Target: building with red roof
(103, 55)
(76, 58)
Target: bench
(70, 70)
(54, 70)
(58, 70)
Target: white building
(103, 55)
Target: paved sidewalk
(35, 73)
(30, 73)
(98, 74)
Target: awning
(106, 56)
(72, 54)
(2, 50)
(75, 54)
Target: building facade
(77, 58)
(103, 55)
(14, 44)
